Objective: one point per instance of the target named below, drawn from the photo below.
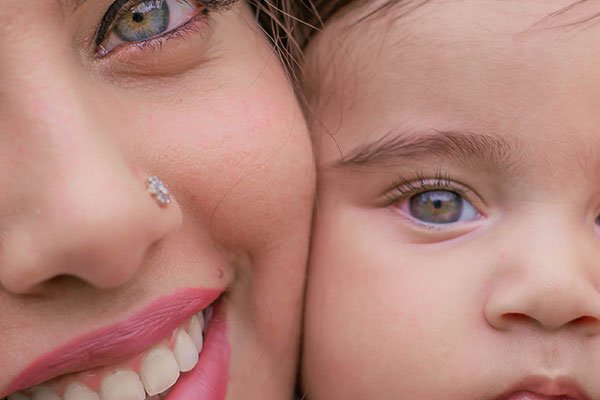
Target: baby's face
(457, 245)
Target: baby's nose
(549, 280)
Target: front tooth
(122, 385)
(196, 332)
(18, 396)
(77, 391)
(44, 394)
(185, 351)
(159, 370)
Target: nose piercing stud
(158, 190)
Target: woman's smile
(142, 356)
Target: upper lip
(563, 386)
(111, 344)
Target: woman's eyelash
(120, 7)
(116, 10)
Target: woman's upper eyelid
(173, 30)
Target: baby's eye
(142, 20)
(439, 207)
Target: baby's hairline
(330, 10)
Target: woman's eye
(439, 207)
(142, 20)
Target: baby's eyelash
(405, 187)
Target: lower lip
(534, 396)
(208, 381)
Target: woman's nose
(548, 279)
(73, 202)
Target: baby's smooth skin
(456, 252)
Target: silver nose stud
(159, 191)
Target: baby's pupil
(437, 206)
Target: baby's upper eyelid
(404, 189)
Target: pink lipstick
(123, 340)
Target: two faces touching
(455, 246)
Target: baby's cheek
(374, 310)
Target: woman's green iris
(438, 207)
(144, 21)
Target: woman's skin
(83, 245)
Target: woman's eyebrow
(72, 4)
(397, 148)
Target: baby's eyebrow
(397, 148)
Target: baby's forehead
(442, 50)
(523, 67)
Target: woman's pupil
(437, 204)
(137, 17)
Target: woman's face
(98, 283)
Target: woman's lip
(544, 388)
(117, 342)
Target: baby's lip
(124, 339)
(544, 388)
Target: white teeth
(77, 391)
(185, 351)
(18, 396)
(44, 394)
(122, 385)
(196, 332)
(159, 370)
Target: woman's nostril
(517, 317)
